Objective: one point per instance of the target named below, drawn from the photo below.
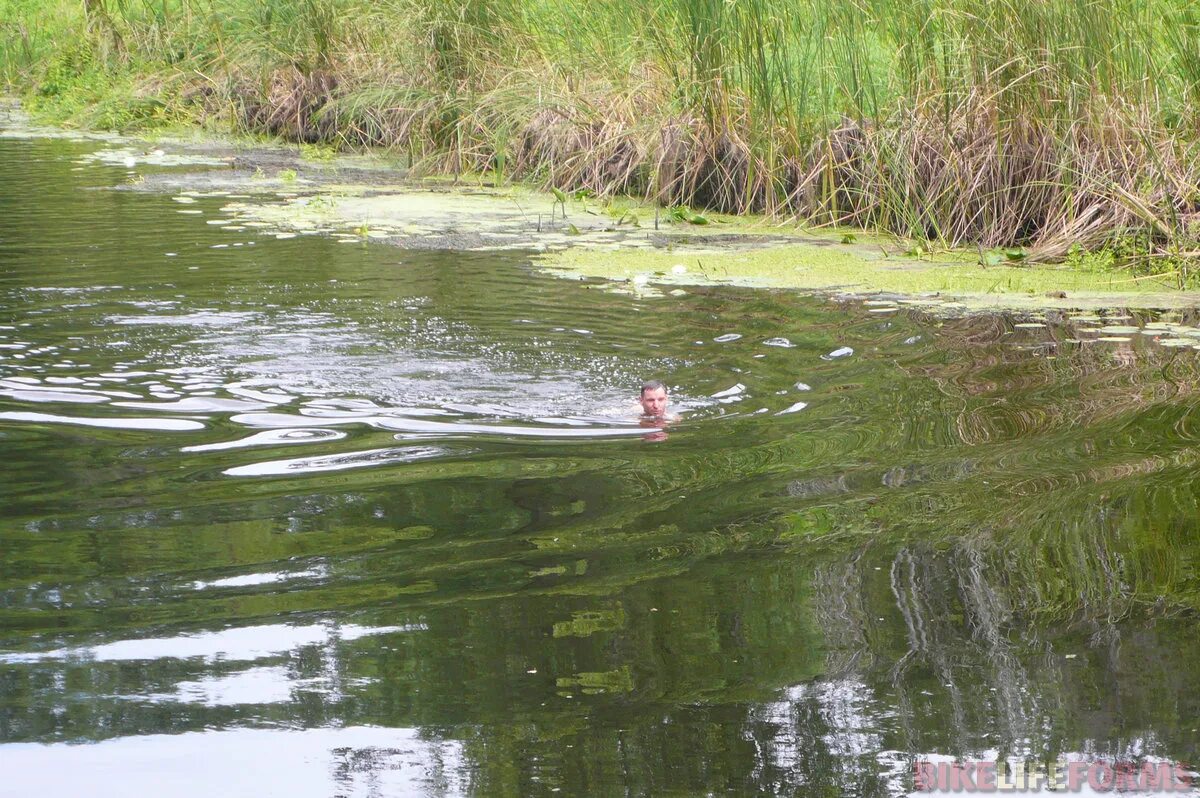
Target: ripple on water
(199, 404)
(731, 394)
(161, 424)
(77, 396)
(200, 318)
(339, 462)
(557, 428)
(272, 437)
(244, 643)
(257, 579)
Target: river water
(310, 516)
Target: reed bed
(1055, 125)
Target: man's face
(654, 403)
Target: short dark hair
(652, 385)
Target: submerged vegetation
(1065, 127)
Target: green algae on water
(823, 266)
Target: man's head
(654, 398)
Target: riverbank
(630, 245)
(1057, 128)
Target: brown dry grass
(965, 178)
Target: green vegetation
(804, 265)
(1040, 124)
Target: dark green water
(307, 518)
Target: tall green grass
(1035, 122)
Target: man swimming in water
(652, 403)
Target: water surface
(319, 516)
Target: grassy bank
(1066, 127)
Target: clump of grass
(1032, 123)
(318, 153)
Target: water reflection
(375, 510)
(348, 761)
